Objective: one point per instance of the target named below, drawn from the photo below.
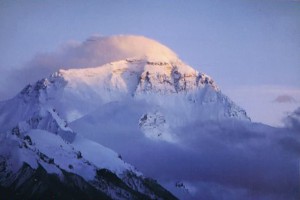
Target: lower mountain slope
(42, 157)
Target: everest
(59, 136)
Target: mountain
(161, 115)
(41, 157)
(154, 87)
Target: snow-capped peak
(170, 85)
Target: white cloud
(284, 99)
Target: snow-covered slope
(45, 144)
(171, 85)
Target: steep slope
(35, 163)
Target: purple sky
(250, 47)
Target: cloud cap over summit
(94, 51)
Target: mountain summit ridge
(131, 78)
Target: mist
(214, 160)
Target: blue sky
(242, 44)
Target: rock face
(168, 78)
(154, 126)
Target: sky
(249, 47)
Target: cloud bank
(230, 160)
(284, 99)
(228, 163)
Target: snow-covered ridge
(122, 74)
(25, 154)
(76, 92)
(49, 134)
